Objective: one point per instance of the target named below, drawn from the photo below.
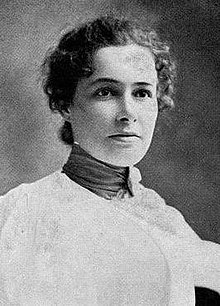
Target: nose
(127, 110)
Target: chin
(125, 154)
(126, 160)
(120, 157)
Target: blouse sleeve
(203, 256)
(205, 259)
(174, 234)
(7, 203)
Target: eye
(104, 92)
(142, 93)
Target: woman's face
(114, 111)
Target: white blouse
(61, 244)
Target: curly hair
(72, 60)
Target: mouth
(127, 137)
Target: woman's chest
(97, 258)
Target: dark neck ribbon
(103, 179)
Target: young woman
(91, 234)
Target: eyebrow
(109, 80)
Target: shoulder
(44, 196)
(29, 213)
(152, 202)
(14, 194)
(42, 186)
(8, 202)
(154, 211)
(20, 197)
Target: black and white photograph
(109, 153)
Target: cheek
(148, 117)
(93, 118)
(101, 114)
(149, 112)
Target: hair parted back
(72, 60)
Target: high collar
(103, 179)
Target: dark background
(183, 164)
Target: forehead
(132, 60)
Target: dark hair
(72, 60)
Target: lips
(125, 139)
(126, 135)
